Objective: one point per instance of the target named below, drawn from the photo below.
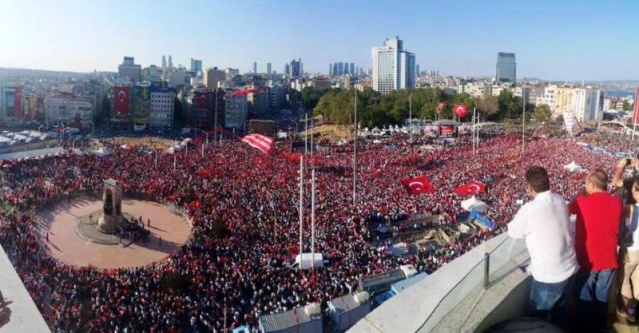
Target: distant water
(619, 93)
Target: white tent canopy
(101, 152)
(474, 205)
(572, 167)
(170, 150)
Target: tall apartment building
(129, 69)
(506, 67)
(213, 76)
(393, 67)
(236, 109)
(162, 108)
(269, 68)
(196, 65)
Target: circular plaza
(64, 230)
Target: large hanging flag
(418, 185)
(261, 142)
(471, 188)
(121, 100)
(460, 110)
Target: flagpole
(174, 161)
(474, 129)
(306, 135)
(301, 208)
(355, 154)
(523, 123)
(202, 150)
(312, 218)
(410, 116)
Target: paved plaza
(64, 243)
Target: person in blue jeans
(544, 225)
(599, 215)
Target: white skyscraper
(506, 67)
(393, 67)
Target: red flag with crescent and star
(460, 110)
(471, 188)
(121, 99)
(418, 185)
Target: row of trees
(375, 109)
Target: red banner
(446, 130)
(261, 142)
(17, 96)
(121, 100)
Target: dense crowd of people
(247, 274)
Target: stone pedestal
(109, 224)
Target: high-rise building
(129, 69)
(269, 68)
(393, 67)
(351, 70)
(296, 68)
(506, 67)
(254, 67)
(196, 65)
(162, 108)
(163, 62)
(213, 76)
(417, 70)
(170, 62)
(287, 69)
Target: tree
(179, 115)
(488, 106)
(103, 115)
(626, 105)
(542, 113)
(509, 106)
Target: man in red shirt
(596, 238)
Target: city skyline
(567, 41)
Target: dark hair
(537, 178)
(599, 178)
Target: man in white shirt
(545, 226)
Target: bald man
(596, 237)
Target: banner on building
(446, 130)
(121, 100)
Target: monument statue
(111, 217)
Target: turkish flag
(460, 110)
(202, 101)
(121, 99)
(471, 188)
(418, 185)
(261, 142)
(440, 107)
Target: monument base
(109, 224)
(88, 228)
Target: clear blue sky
(553, 39)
